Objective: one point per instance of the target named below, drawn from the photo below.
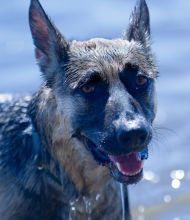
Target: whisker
(168, 130)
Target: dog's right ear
(51, 47)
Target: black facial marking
(91, 104)
(92, 88)
(135, 81)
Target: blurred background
(164, 194)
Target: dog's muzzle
(126, 167)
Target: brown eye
(88, 88)
(141, 80)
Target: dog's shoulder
(15, 124)
(27, 190)
(15, 138)
(15, 154)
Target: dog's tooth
(139, 156)
(118, 167)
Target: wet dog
(69, 151)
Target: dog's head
(108, 87)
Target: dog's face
(108, 86)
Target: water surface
(165, 192)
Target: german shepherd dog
(70, 150)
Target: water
(122, 201)
(165, 192)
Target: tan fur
(55, 113)
(87, 175)
(78, 163)
(94, 54)
(93, 182)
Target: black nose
(133, 137)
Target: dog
(69, 151)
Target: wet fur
(27, 189)
(45, 171)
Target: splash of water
(122, 201)
(82, 207)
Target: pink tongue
(127, 164)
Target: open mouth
(125, 168)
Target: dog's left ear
(51, 47)
(139, 25)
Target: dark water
(164, 194)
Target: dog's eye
(88, 88)
(141, 81)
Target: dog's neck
(55, 133)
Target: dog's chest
(107, 204)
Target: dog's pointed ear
(51, 47)
(139, 24)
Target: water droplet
(35, 157)
(97, 197)
(175, 183)
(151, 176)
(73, 208)
(88, 205)
(177, 174)
(40, 168)
(167, 198)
